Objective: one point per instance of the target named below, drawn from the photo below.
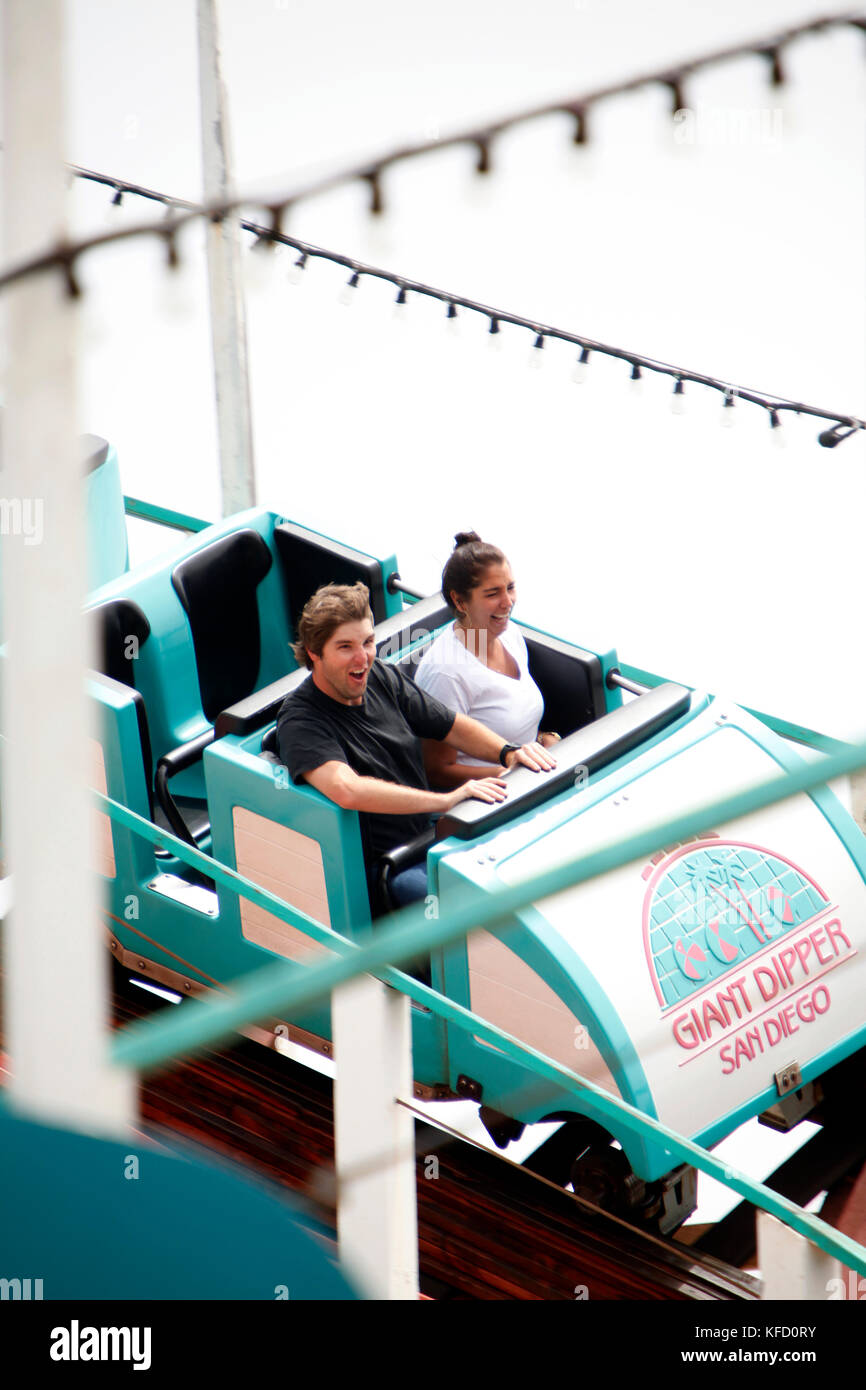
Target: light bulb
(678, 400)
(257, 266)
(93, 324)
(295, 274)
(536, 353)
(114, 211)
(494, 338)
(346, 297)
(174, 295)
(581, 367)
(635, 380)
(727, 417)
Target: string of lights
(578, 107)
(179, 213)
(843, 425)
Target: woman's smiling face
(488, 606)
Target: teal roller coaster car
(720, 979)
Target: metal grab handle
(168, 765)
(616, 678)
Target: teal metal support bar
(623, 1115)
(620, 1113)
(163, 516)
(797, 732)
(276, 987)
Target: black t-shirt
(378, 738)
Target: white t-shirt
(510, 707)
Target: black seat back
(310, 560)
(569, 678)
(122, 631)
(217, 587)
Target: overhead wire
(179, 212)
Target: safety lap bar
(394, 861)
(412, 625)
(177, 761)
(392, 636)
(590, 748)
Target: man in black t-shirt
(353, 732)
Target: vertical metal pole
(228, 325)
(377, 1219)
(56, 962)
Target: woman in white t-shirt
(479, 665)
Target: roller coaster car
(716, 981)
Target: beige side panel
(289, 865)
(504, 990)
(103, 845)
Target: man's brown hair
(330, 606)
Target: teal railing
(278, 989)
(163, 516)
(796, 732)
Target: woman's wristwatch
(505, 750)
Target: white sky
(701, 553)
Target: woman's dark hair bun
(466, 564)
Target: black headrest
(123, 630)
(217, 587)
(569, 678)
(310, 560)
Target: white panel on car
(726, 958)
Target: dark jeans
(410, 886)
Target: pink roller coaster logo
(738, 940)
